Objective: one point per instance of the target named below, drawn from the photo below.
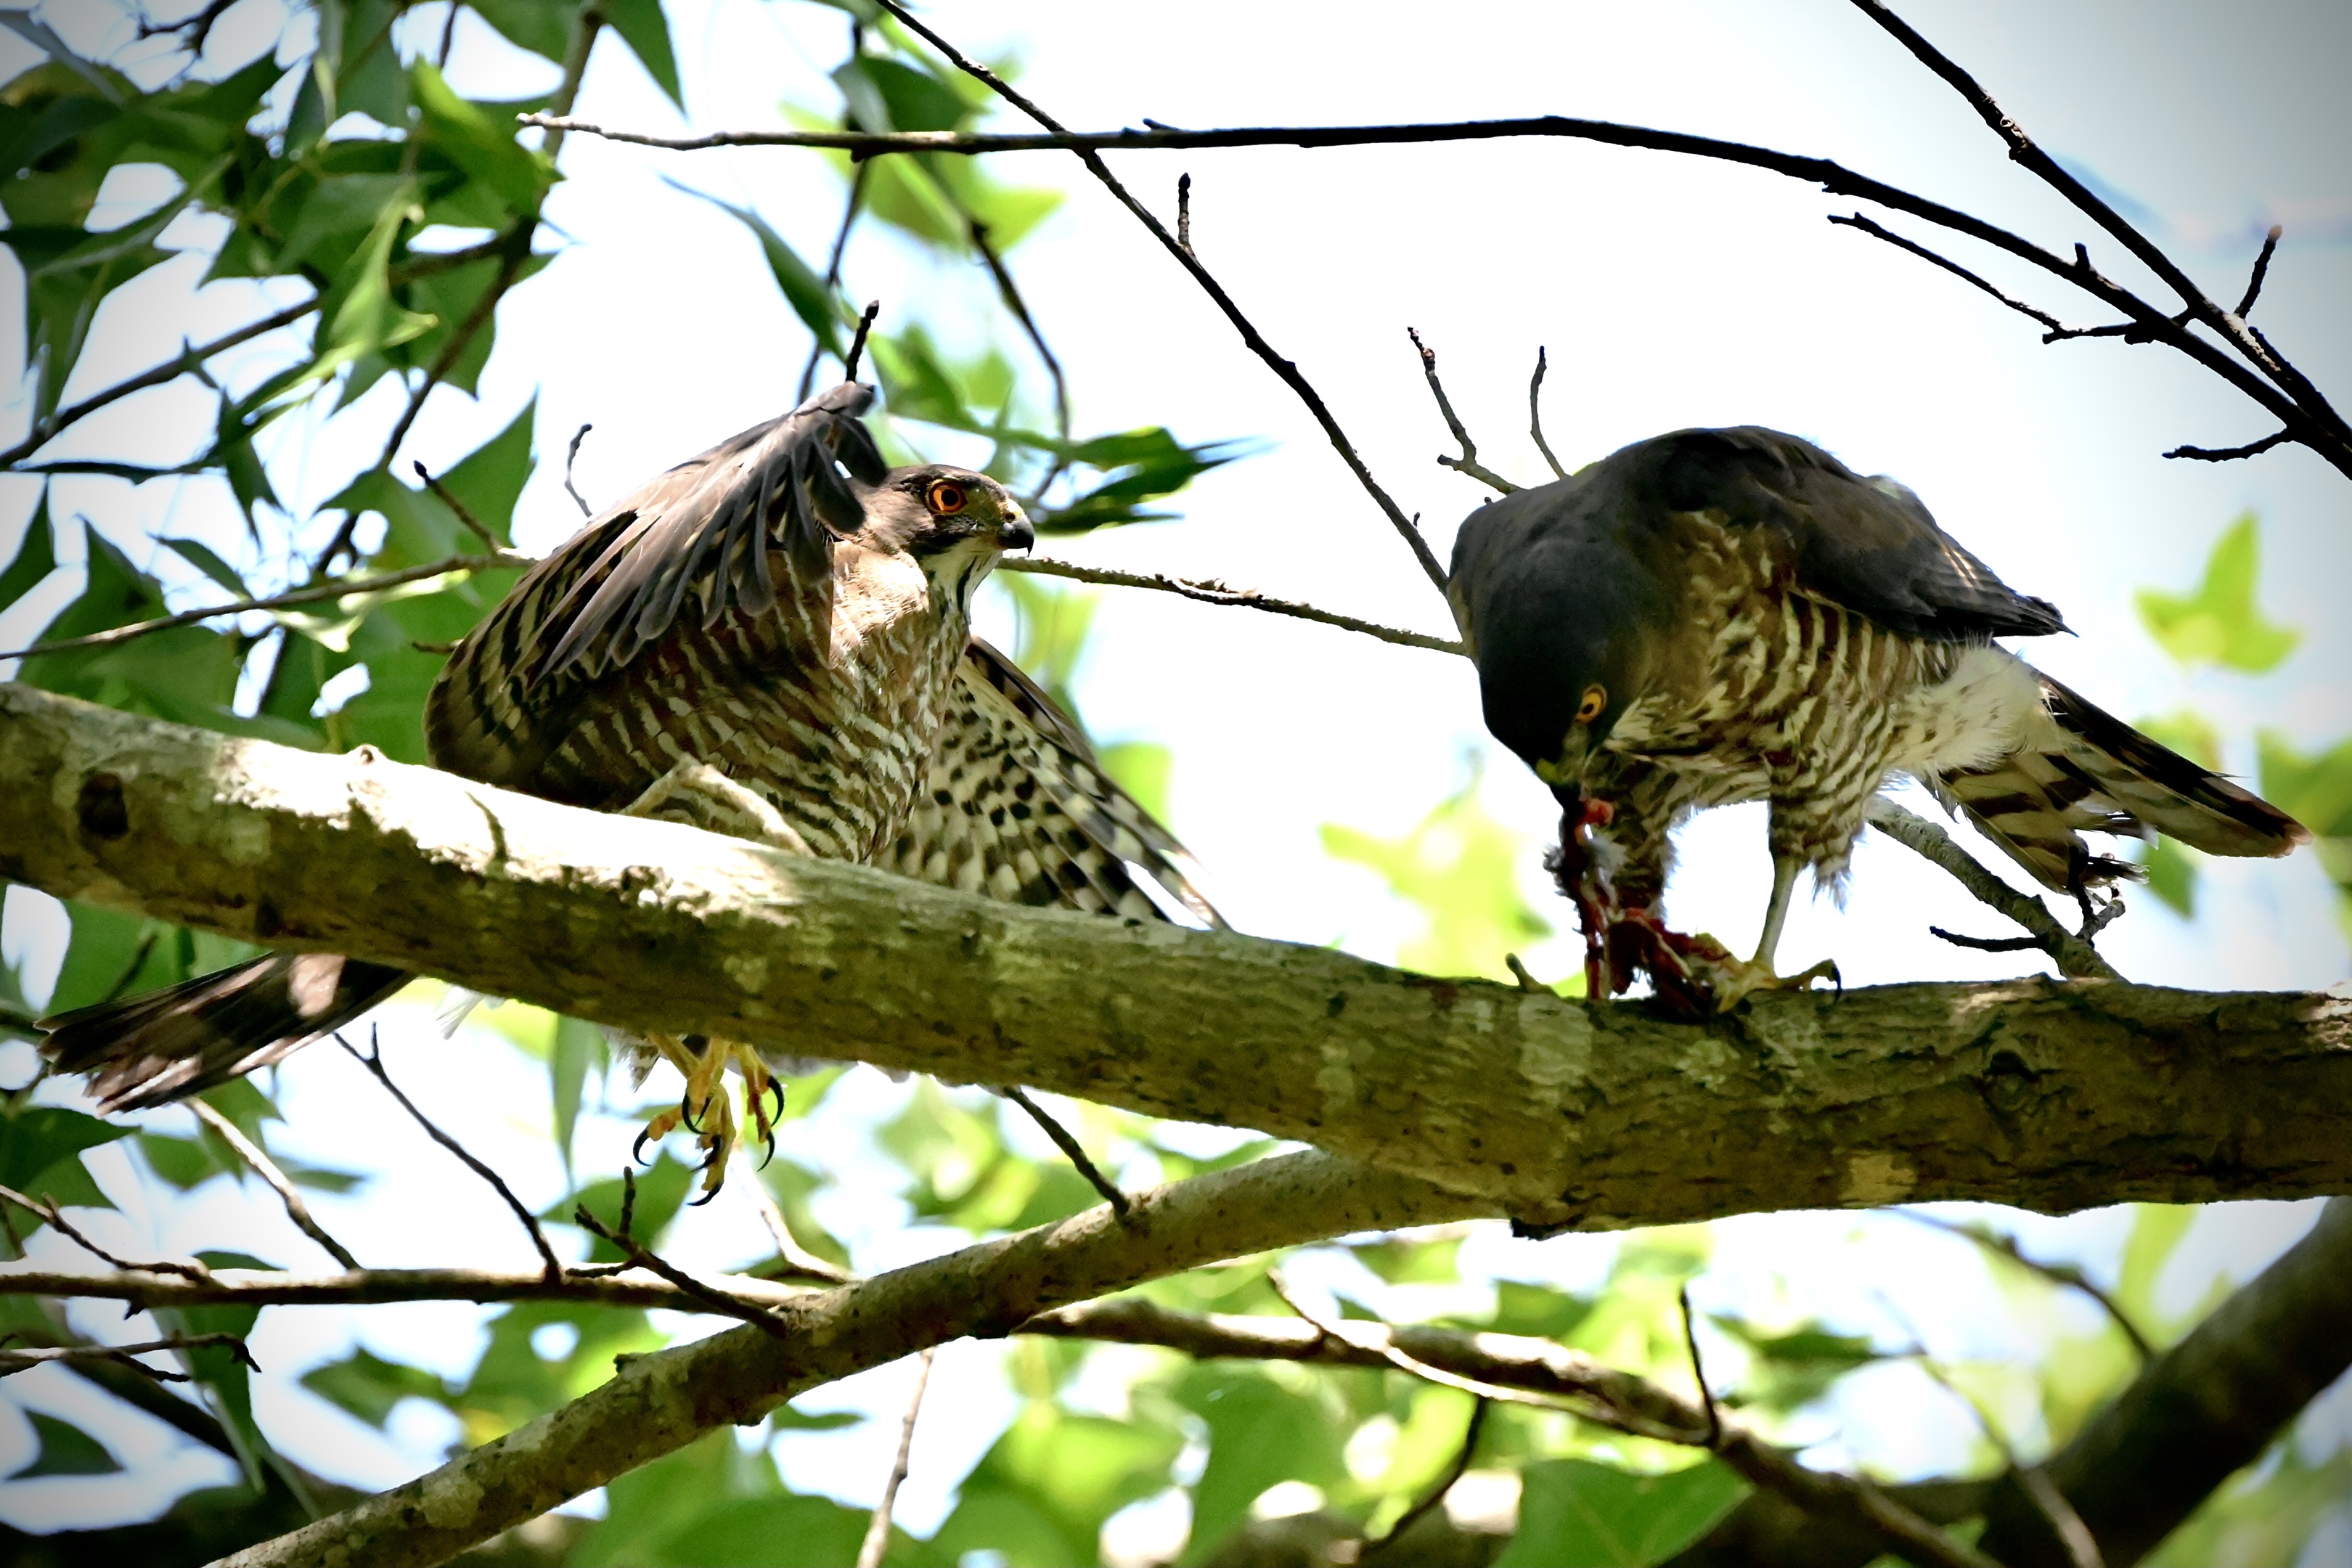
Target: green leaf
(1261, 1431)
(2220, 622)
(369, 1387)
(579, 1051)
(36, 558)
(2171, 868)
(542, 26)
(803, 288)
(712, 1502)
(66, 1450)
(1596, 1515)
(646, 30)
(1460, 867)
(1144, 769)
(2315, 789)
(483, 146)
(1793, 1368)
(202, 556)
(216, 1368)
(1041, 1493)
(38, 1141)
(184, 1163)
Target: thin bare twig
(14, 1361)
(572, 457)
(1544, 1376)
(1185, 214)
(465, 513)
(144, 1287)
(2022, 150)
(858, 344)
(190, 360)
(2081, 1547)
(799, 1259)
(47, 1212)
(2065, 1274)
(315, 592)
(1535, 416)
(2268, 379)
(2057, 327)
(1430, 1500)
(2075, 957)
(2232, 454)
(1072, 1149)
(1699, 1369)
(2261, 270)
(1214, 593)
(849, 211)
(1020, 309)
(253, 1154)
(645, 1258)
(1284, 368)
(1467, 463)
(373, 1061)
(877, 1527)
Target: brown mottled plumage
(753, 643)
(1722, 615)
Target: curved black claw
(686, 1112)
(637, 1149)
(767, 1147)
(708, 1161)
(777, 1085)
(1837, 981)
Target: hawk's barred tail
(189, 1037)
(2081, 768)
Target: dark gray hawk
(1722, 615)
(771, 640)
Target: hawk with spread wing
(1721, 615)
(771, 640)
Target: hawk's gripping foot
(708, 1110)
(1691, 974)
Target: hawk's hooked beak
(1015, 533)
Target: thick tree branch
(657, 1404)
(2045, 1094)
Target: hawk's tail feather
(201, 1033)
(2080, 770)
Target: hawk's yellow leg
(698, 793)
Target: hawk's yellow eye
(1595, 699)
(946, 496)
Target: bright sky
(1668, 292)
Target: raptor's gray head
(1563, 620)
(954, 522)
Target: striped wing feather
(705, 526)
(1019, 810)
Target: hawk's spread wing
(1017, 809)
(708, 525)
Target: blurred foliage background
(386, 216)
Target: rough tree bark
(2049, 1094)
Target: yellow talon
(706, 1108)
